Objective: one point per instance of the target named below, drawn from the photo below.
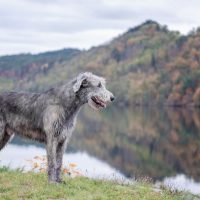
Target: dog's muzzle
(98, 101)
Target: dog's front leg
(60, 151)
(51, 158)
(52, 127)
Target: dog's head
(93, 89)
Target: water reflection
(181, 182)
(143, 141)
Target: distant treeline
(147, 65)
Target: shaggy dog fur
(49, 117)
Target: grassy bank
(18, 185)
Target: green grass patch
(18, 185)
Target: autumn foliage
(146, 65)
(39, 164)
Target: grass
(19, 185)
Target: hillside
(146, 65)
(25, 66)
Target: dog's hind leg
(6, 138)
(2, 133)
(5, 134)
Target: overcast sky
(41, 25)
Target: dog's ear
(81, 81)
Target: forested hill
(13, 68)
(148, 64)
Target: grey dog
(49, 117)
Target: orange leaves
(36, 165)
(72, 165)
(42, 170)
(39, 164)
(65, 171)
(71, 170)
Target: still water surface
(163, 144)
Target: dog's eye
(84, 83)
(99, 85)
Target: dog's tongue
(102, 103)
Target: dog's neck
(71, 101)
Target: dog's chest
(67, 129)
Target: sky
(43, 25)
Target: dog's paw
(61, 182)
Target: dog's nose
(112, 98)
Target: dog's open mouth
(98, 102)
